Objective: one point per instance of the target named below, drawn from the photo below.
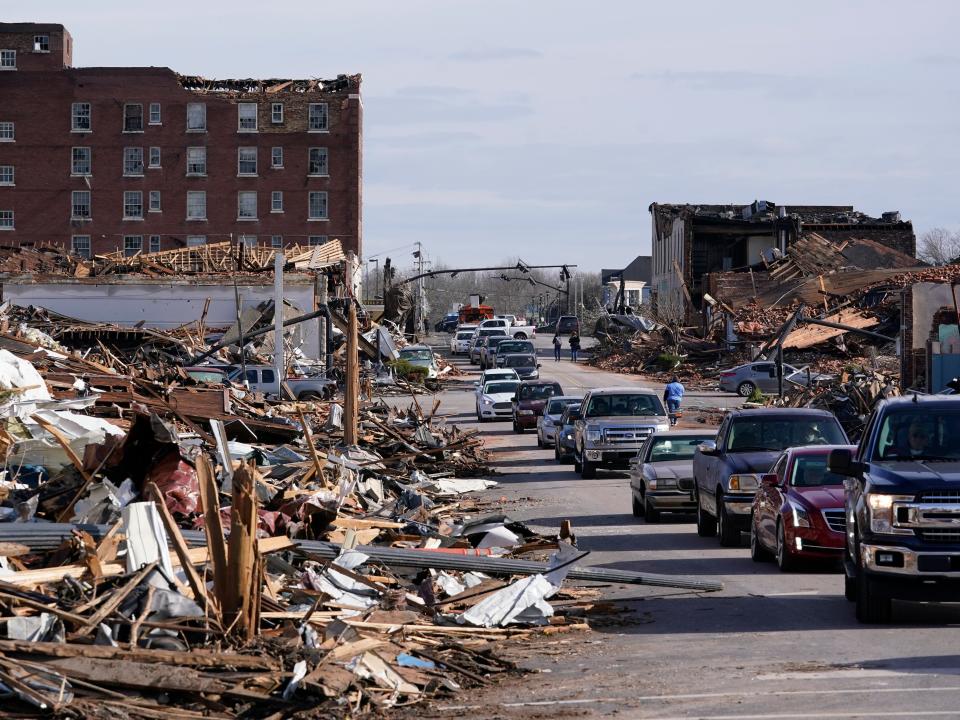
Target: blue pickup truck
(726, 473)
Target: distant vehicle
(511, 319)
(460, 342)
(448, 323)
(549, 422)
(488, 352)
(479, 336)
(526, 365)
(494, 399)
(464, 327)
(727, 472)
(744, 379)
(565, 443)
(798, 509)
(529, 401)
(263, 379)
(510, 346)
(501, 374)
(474, 314)
(520, 332)
(661, 476)
(421, 356)
(613, 426)
(204, 374)
(567, 324)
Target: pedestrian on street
(574, 345)
(672, 395)
(557, 345)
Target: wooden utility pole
(351, 400)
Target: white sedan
(494, 399)
(460, 342)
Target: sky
(543, 129)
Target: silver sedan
(744, 379)
(661, 476)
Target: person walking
(557, 345)
(672, 395)
(574, 345)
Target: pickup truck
(518, 332)
(726, 473)
(263, 379)
(902, 500)
(613, 425)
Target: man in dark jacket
(574, 345)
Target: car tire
(577, 467)
(637, 507)
(517, 429)
(873, 608)
(588, 470)
(706, 525)
(785, 561)
(746, 388)
(729, 534)
(849, 586)
(650, 513)
(309, 395)
(520, 336)
(758, 553)
(556, 453)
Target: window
(196, 117)
(133, 117)
(133, 205)
(196, 240)
(316, 240)
(318, 162)
(154, 157)
(196, 205)
(154, 243)
(80, 117)
(248, 240)
(276, 157)
(6, 174)
(80, 161)
(246, 205)
(154, 201)
(132, 244)
(276, 241)
(155, 115)
(41, 43)
(8, 59)
(276, 113)
(80, 205)
(247, 161)
(6, 220)
(318, 206)
(247, 117)
(196, 161)
(80, 245)
(276, 201)
(6, 132)
(317, 121)
(133, 161)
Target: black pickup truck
(903, 506)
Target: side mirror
(476, 384)
(707, 447)
(840, 461)
(770, 480)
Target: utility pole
(280, 364)
(418, 306)
(351, 395)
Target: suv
(613, 425)
(488, 353)
(568, 324)
(903, 506)
(726, 473)
(531, 398)
(509, 346)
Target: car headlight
(524, 412)
(487, 401)
(882, 509)
(568, 436)
(662, 483)
(743, 483)
(593, 436)
(801, 518)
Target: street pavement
(771, 645)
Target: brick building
(145, 159)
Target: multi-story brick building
(144, 159)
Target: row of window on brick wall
(81, 161)
(81, 204)
(81, 117)
(133, 244)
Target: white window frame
(240, 210)
(274, 165)
(240, 161)
(86, 252)
(154, 243)
(8, 59)
(323, 153)
(74, 194)
(73, 161)
(195, 195)
(7, 220)
(276, 113)
(154, 155)
(241, 108)
(317, 240)
(276, 201)
(39, 41)
(325, 114)
(203, 150)
(8, 174)
(203, 118)
(131, 105)
(156, 118)
(157, 206)
(80, 111)
(8, 131)
(326, 205)
(133, 200)
(196, 240)
(276, 241)
(132, 244)
(133, 151)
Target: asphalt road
(770, 645)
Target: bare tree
(939, 246)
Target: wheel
(758, 553)
(556, 453)
(588, 470)
(520, 336)
(746, 388)
(706, 525)
(309, 395)
(637, 507)
(729, 534)
(849, 586)
(650, 513)
(577, 467)
(872, 607)
(785, 561)
(517, 429)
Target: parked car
(510, 346)
(480, 335)
(488, 352)
(903, 506)
(520, 332)
(565, 446)
(744, 379)
(263, 379)
(798, 509)
(497, 374)
(421, 356)
(448, 323)
(526, 365)
(530, 399)
(549, 421)
(567, 324)
(661, 476)
(460, 342)
(727, 472)
(495, 399)
(613, 425)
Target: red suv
(529, 401)
(798, 511)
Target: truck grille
(836, 519)
(940, 536)
(626, 436)
(941, 496)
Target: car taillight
(728, 374)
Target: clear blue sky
(545, 128)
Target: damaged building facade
(142, 159)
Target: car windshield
(416, 354)
(573, 410)
(624, 405)
(208, 376)
(495, 341)
(918, 433)
(515, 346)
(464, 335)
(755, 434)
(538, 392)
(502, 386)
(811, 471)
(520, 361)
(556, 406)
(489, 332)
(667, 449)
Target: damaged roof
(766, 211)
